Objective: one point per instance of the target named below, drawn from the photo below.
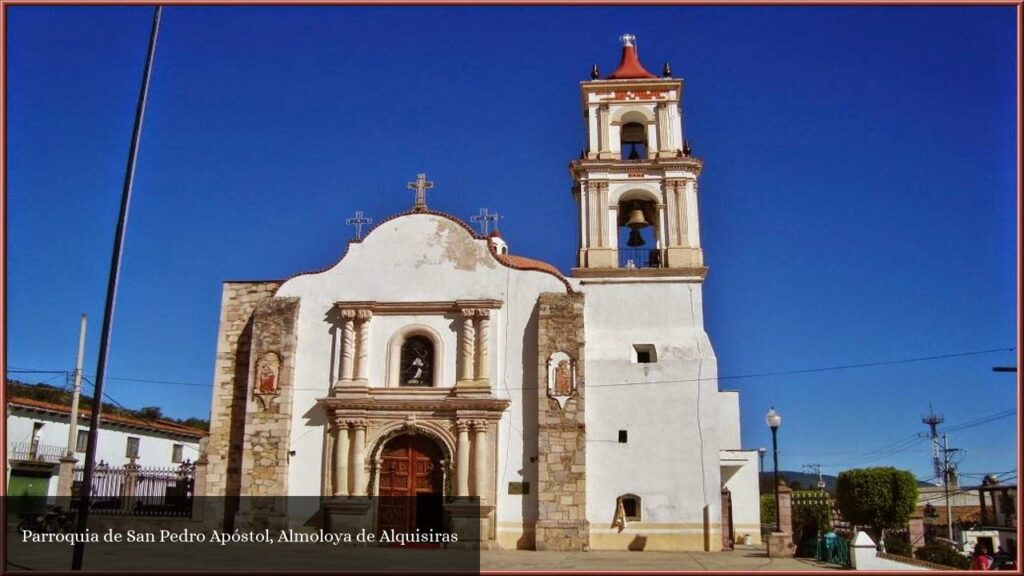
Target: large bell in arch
(636, 223)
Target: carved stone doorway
(411, 485)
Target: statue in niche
(561, 377)
(417, 360)
(268, 368)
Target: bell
(636, 219)
(635, 239)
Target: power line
(646, 382)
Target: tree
(150, 413)
(881, 498)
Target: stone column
(341, 457)
(462, 459)
(483, 333)
(348, 344)
(467, 342)
(358, 458)
(479, 458)
(363, 346)
(662, 225)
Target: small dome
(630, 66)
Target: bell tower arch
(635, 184)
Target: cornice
(405, 308)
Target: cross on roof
(485, 219)
(421, 185)
(358, 220)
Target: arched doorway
(410, 496)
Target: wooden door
(410, 485)
(728, 533)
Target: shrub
(944, 554)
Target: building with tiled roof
(548, 409)
(37, 438)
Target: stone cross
(421, 185)
(485, 219)
(628, 40)
(358, 220)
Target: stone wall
(561, 430)
(223, 454)
(268, 413)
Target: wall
(743, 485)
(672, 420)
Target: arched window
(638, 227)
(416, 364)
(633, 141)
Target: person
(980, 560)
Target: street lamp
(774, 420)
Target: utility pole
(73, 429)
(947, 470)
(817, 469)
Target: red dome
(629, 67)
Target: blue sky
(857, 203)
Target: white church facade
(432, 365)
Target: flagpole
(108, 311)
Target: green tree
(150, 413)
(879, 498)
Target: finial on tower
(628, 40)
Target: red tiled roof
(524, 263)
(156, 425)
(630, 66)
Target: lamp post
(774, 420)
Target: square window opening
(644, 354)
(132, 448)
(623, 436)
(176, 453)
(82, 441)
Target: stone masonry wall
(268, 413)
(561, 432)
(230, 388)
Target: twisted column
(363, 345)
(462, 459)
(348, 343)
(483, 333)
(467, 344)
(358, 458)
(341, 457)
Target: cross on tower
(421, 185)
(485, 219)
(358, 220)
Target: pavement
(742, 559)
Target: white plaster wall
(729, 419)
(673, 447)
(746, 498)
(421, 258)
(154, 450)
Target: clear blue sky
(857, 203)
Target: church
(433, 377)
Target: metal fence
(640, 258)
(834, 549)
(34, 452)
(132, 490)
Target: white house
(37, 437)
(582, 410)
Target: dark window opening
(82, 442)
(623, 436)
(417, 362)
(132, 448)
(631, 508)
(644, 354)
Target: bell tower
(635, 183)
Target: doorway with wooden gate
(411, 496)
